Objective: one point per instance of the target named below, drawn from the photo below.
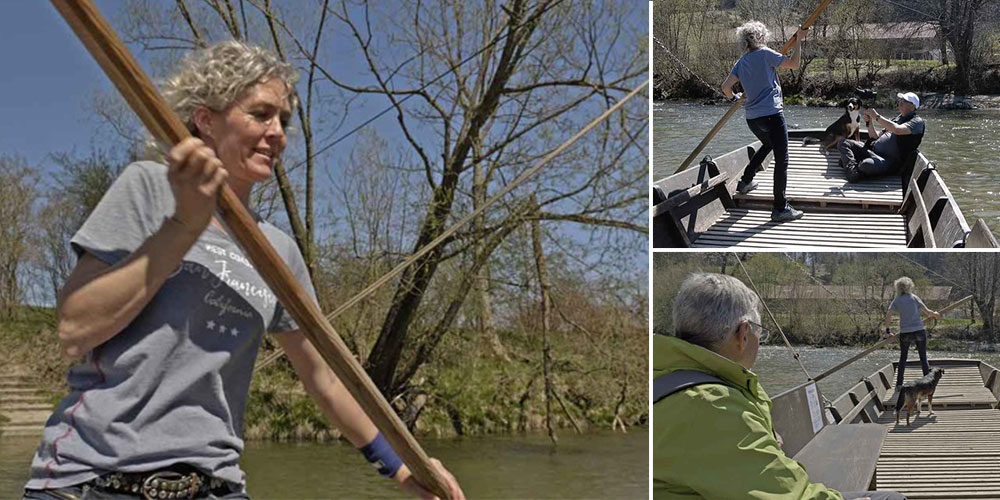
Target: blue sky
(48, 77)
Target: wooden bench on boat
(841, 457)
(699, 207)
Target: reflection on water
(778, 370)
(595, 465)
(963, 144)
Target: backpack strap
(665, 385)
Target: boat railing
(991, 378)
(862, 403)
(934, 217)
(687, 203)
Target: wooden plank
(920, 216)
(954, 456)
(741, 227)
(844, 457)
(815, 177)
(858, 408)
(981, 236)
(679, 198)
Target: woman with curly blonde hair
(168, 314)
(757, 71)
(911, 328)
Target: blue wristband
(381, 456)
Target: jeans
(773, 135)
(88, 492)
(905, 339)
(874, 495)
(852, 152)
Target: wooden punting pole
(821, 376)
(114, 57)
(732, 109)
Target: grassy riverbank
(823, 86)
(946, 334)
(467, 389)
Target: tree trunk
(414, 281)
(546, 310)
(485, 304)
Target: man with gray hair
(713, 436)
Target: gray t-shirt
(172, 386)
(887, 144)
(908, 306)
(758, 73)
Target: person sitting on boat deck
(169, 314)
(757, 71)
(885, 155)
(911, 328)
(717, 439)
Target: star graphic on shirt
(210, 325)
(222, 329)
(233, 331)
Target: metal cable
(795, 354)
(681, 63)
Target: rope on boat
(689, 70)
(795, 353)
(370, 289)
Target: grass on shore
(466, 389)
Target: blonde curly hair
(753, 35)
(903, 286)
(217, 76)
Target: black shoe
(745, 188)
(853, 175)
(788, 214)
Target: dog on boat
(911, 393)
(847, 126)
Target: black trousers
(773, 135)
(905, 339)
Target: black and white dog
(847, 126)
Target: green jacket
(716, 441)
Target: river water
(963, 144)
(593, 465)
(777, 370)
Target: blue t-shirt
(758, 72)
(908, 306)
(172, 386)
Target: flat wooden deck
(960, 386)
(816, 180)
(954, 455)
(753, 229)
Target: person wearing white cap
(885, 155)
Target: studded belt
(163, 485)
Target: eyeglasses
(764, 332)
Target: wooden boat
(699, 207)
(853, 443)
